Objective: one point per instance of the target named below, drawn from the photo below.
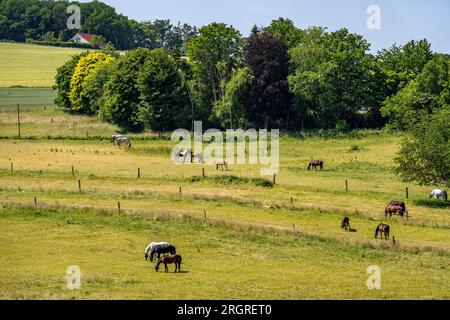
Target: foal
(175, 258)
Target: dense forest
(280, 76)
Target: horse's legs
(166, 269)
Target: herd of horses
(393, 208)
(166, 253)
(169, 253)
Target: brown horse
(346, 224)
(315, 164)
(175, 258)
(395, 207)
(383, 229)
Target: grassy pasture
(319, 261)
(30, 65)
(220, 261)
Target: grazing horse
(395, 207)
(123, 140)
(186, 153)
(439, 193)
(346, 224)
(222, 164)
(315, 164)
(115, 137)
(152, 246)
(162, 249)
(383, 229)
(175, 258)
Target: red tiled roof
(87, 36)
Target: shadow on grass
(432, 203)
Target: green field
(247, 247)
(31, 65)
(36, 98)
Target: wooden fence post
(12, 167)
(292, 201)
(346, 185)
(35, 201)
(139, 173)
(407, 192)
(293, 227)
(73, 171)
(179, 192)
(79, 185)
(274, 178)
(18, 120)
(118, 205)
(203, 173)
(204, 212)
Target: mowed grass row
(219, 261)
(27, 98)
(30, 65)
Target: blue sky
(401, 20)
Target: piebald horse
(115, 137)
(123, 140)
(152, 246)
(315, 164)
(439, 193)
(158, 249)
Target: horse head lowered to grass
(439, 193)
(316, 163)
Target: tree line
(280, 76)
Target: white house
(83, 38)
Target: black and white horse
(159, 248)
(114, 138)
(439, 193)
(123, 140)
(152, 246)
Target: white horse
(152, 247)
(188, 153)
(114, 137)
(123, 140)
(438, 193)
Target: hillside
(30, 65)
